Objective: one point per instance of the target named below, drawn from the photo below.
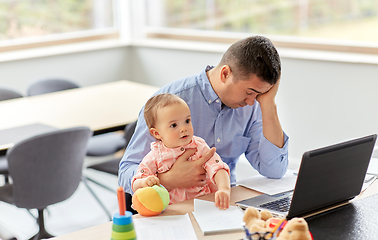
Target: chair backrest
(6, 94)
(50, 85)
(46, 168)
(129, 131)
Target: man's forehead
(257, 85)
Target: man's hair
(156, 102)
(253, 55)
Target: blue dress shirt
(232, 131)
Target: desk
(103, 231)
(103, 107)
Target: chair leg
(84, 179)
(6, 178)
(42, 234)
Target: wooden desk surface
(103, 231)
(99, 107)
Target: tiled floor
(80, 210)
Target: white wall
(323, 103)
(85, 68)
(156, 66)
(319, 102)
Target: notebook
(212, 220)
(327, 177)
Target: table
(103, 231)
(103, 108)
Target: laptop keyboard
(280, 205)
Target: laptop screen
(331, 175)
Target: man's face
(241, 93)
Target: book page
(268, 185)
(212, 220)
(177, 227)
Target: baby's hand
(222, 199)
(150, 181)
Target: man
(233, 108)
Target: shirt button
(209, 101)
(217, 161)
(142, 171)
(218, 140)
(182, 149)
(217, 100)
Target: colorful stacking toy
(123, 227)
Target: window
(31, 21)
(333, 22)
(336, 25)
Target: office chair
(50, 85)
(6, 94)
(4, 168)
(111, 166)
(45, 169)
(55, 85)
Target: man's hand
(269, 97)
(186, 173)
(272, 129)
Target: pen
(368, 178)
(276, 227)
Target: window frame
(57, 40)
(300, 43)
(131, 29)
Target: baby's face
(174, 125)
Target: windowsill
(328, 56)
(290, 53)
(60, 49)
(184, 45)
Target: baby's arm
(222, 196)
(145, 182)
(145, 175)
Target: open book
(212, 220)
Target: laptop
(327, 177)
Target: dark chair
(50, 85)
(45, 169)
(55, 85)
(38, 87)
(111, 166)
(6, 94)
(105, 144)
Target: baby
(169, 121)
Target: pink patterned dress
(160, 159)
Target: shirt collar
(206, 88)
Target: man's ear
(225, 73)
(155, 133)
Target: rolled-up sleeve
(270, 160)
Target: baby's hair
(156, 102)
